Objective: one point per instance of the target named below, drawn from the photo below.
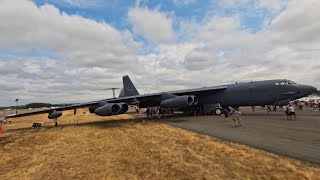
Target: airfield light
(17, 100)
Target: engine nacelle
(178, 102)
(54, 114)
(108, 109)
(124, 108)
(93, 108)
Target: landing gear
(222, 110)
(217, 111)
(56, 122)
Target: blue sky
(68, 50)
(115, 12)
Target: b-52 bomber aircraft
(254, 93)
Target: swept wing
(154, 97)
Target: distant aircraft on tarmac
(239, 94)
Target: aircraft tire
(217, 111)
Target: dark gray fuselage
(257, 93)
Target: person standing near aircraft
(235, 114)
(285, 109)
(253, 108)
(300, 104)
(291, 112)
(148, 112)
(268, 110)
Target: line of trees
(38, 105)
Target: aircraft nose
(306, 90)
(313, 89)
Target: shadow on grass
(104, 123)
(178, 118)
(97, 123)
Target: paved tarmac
(298, 139)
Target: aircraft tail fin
(128, 87)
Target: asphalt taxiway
(298, 139)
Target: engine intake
(195, 100)
(108, 109)
(179, 102)
(124, 108)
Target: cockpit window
(291, 82)
(288, 82)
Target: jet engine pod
(94, 107)
(54, 114)
(108, 110)
(178, 102)
(124, 108)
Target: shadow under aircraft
(253, 93)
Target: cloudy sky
(62, 51)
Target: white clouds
(24, 26)
(7, 68)
(223, 33)
(298, 25)
(233, 53)
(183, 2)
(66, 43)
(219, 31)
(221, 24)
(273, 5)
(9, 86)
(232, 2)
(79, 3)
(152, 24)
(198, 60)
(91, 73)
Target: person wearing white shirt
(292, 112)
(285, 110)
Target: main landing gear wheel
(218, 111)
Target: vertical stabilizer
(128, 87)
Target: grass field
(120, 147)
